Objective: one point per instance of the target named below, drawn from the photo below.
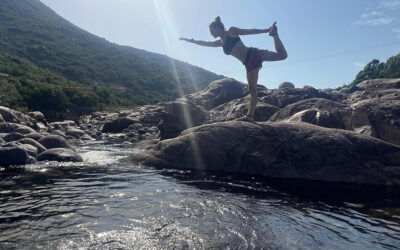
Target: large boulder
(13, 156)
(13, 136)
(38, 116)
(378, 117)
(40, 147)
(217, 93)
(178, 116)
(14, 116)
(321, 112)
(119, 124)
(35, 136)
(59, 154)
(63, 125)
(283, 97)
(380, 84)
(74, 132)
(54, 141)
(286, 85)
(8, 127)
(238, 108)
(281, 150)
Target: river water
(104, 204)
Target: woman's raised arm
(217, 43)
(241, 32)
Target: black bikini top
(230, 42)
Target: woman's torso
(239, 50)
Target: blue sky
(328, 42)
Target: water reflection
(104, 204)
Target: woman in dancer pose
(252, 58)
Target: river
(104, 204)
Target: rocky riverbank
(351, 136)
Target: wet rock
(31, 150)
(74, 132)
(35, 136)
(59, 133)
(119, 124)
(63, 125)
(38, 116)
(13, 156)
(14, 116)
(40, 147)
(178, 116)
(217, 93)
(86, 137)
(13, 137)
(8, 127)
(54, 141)
(282, 150)
(59, 154)
(286, 85)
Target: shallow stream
(104, 204)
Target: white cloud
(384, 13)
(390, 4)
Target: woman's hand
(185, 39)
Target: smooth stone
(8, 127)
(34, 143)
(34, 136)
(54, 141)
(286, 85)
(31, 150)
(59, 133)
(74, 132)
(13, 156)
(15, 136)
(59, 154)
(119, 124)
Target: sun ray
(167, 26)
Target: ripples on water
(102, 204)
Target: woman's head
(216, 27)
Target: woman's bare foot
(273, 30)
(246, 118)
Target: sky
(328, 42)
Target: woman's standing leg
(252, 79)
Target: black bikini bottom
(254, 59)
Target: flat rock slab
(59, 154)
(282, 150)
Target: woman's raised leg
(280, 53)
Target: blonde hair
(217, 23)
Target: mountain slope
(45, 55)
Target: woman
(252, 58)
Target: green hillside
(47, 63)
(376, 69)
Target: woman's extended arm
(217, 43)
(241, 32)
